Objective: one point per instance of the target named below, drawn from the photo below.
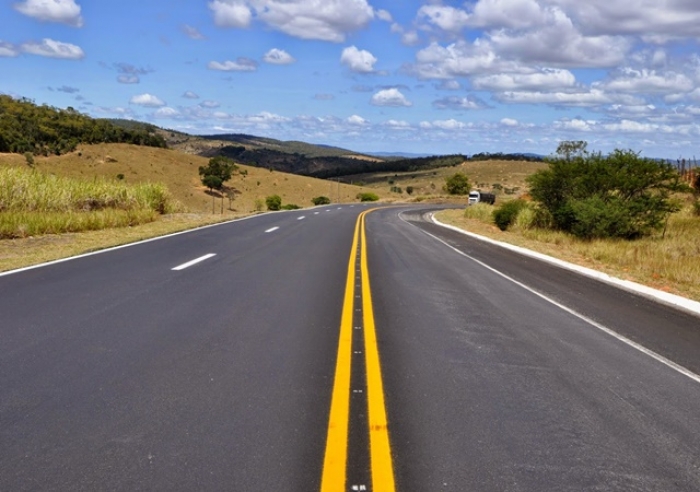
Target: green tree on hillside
(457, 184)
(217, 172)
(593, 196)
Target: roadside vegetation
(34, 203)
(639, 220)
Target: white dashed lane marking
(272, 229)
(193, 262)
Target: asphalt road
(119, 373)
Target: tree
(212, 182)
(593, 196)
(457, 184)
(219, 167)
(568, 149)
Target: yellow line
(335, 461)
(380, 450)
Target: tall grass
(33, 203)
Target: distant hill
(43, 130)
(288, 147)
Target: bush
(290, 206)
(479, 211)
(321, 200)
(505, 215)
(594, 196)
(367, 197)
(273, 202)
(409, 190)
(457, 184)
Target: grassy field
(668, 262)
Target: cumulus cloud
(53, 49)
(450, 124)
(446, 18)
(190, 95)
(357, 120)
(63, 11)
(210, 104)
(147, 101)
(242, 64)
(278, 57)
(582, 98)
(359, 61)
(390, 97)
(231, 13)
(166, 112)
(649, 81)
(326, 20)
(509, 122)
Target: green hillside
(26, 127)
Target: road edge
(687, 305)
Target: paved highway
(332, 349)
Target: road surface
(334, 349)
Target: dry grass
(179, 173)
(482, 174)
(667, 263)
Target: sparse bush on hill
(594, 196)
(321, 200)
(367, 197)
(290, 206)
(273, 202)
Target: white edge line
(660, 358)
(676, 301)
(272, 229)
(193, 262)
(122, 246)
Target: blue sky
(372, 75)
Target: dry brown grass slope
(179, 172)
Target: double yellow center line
(334, 478)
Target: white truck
(476, 196)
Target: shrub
(290, 206)
(367, 197)
(505, 215)
(594, 196)
(479, 211)
(273, 202)
(457, 184)
(321, 200)
(396, 189)
(409, 190)
(258, 204)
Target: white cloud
(410, 38)
(63, 11)
(166, 112)
(509, 122)
(398, 124)
(209, 104)
(147, 101)
(390, 97)
(278, 57)
(53, 49)
(231, 13)
(190, 95)
(548, 79)
(384, 15)
(357, 120)
(241, 64)
(326, 20)
(8, 50)
(450, 124)
(649, 81)
(446, 18)
(460, 59)
(576, 124)
(359, 61)
(592, 97)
